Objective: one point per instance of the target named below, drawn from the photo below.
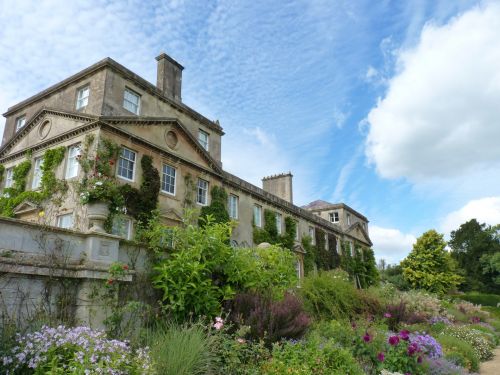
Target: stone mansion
(109, 101)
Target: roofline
(337, 205)
(110, 63)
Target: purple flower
(367, 337)
(412, 348)
(419, 359)
(394, 340)
(387, 315)
(381, 357)
(405, 335)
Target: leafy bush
(422, 303)
(311, 357)
(475, 338)
(77, 350)
(459, 351)
(236, 355)
(181, 349)
(329, 295)
(269, 319)
(262, 270)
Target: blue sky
(389, 106)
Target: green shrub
(181, 349)
(330, 295)
(311, 357)
(262, 270)
(459, 351)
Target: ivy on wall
(49, 184)
(2, 170)
(269, 232)
(217, 208)
(100, 185)
(360, 265)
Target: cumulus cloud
(484, 210)
(440, 116)
(391, 244)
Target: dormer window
(20, 122)
(334, 217)
(82, 97)
(203, 139)
(131, 101)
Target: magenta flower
(367, 337)
(419, 359)
(405, 335)
(381, 357)
(387, 315)
(412, 348)
(394, 340)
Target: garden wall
(52, 274)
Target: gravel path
(492, 367)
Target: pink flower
(387, 315)
(367, 337)
(394, 340)
(381, 357)
(219, 323)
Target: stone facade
(161, 126)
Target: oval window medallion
(44, 129)
(171, 139)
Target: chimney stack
(279, 185)
(169, 77)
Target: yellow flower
(41, 214)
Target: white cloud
(391, 244)
(441, 114)
(484, 210)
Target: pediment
(42, 127)
(298, 248)
(356, 230)
(26, 207)
(168, 134)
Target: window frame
(334, 215)
(59, 217)
(75, 159)
(236, 200)
(206, 146)
(205, 190)
(163, 174)
(86, 98)
(19, 119)
(312, 232)
(257, 209)
(37, 173)
(134, 93)
(279, 222)
(133, 167)
(9, 177)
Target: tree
(429, 266)
(470, 243)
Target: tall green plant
(429, 266)
(217, 208)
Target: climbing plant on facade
(269, 232)
(217, 207)
(50, 186)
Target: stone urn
(97, 213)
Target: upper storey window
(334, 217)
(37, 174)
(131, 101)
(203, 139)
(20, 122)
(126, 164)
(168, 179)
(82, 97)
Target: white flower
(98, 183)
